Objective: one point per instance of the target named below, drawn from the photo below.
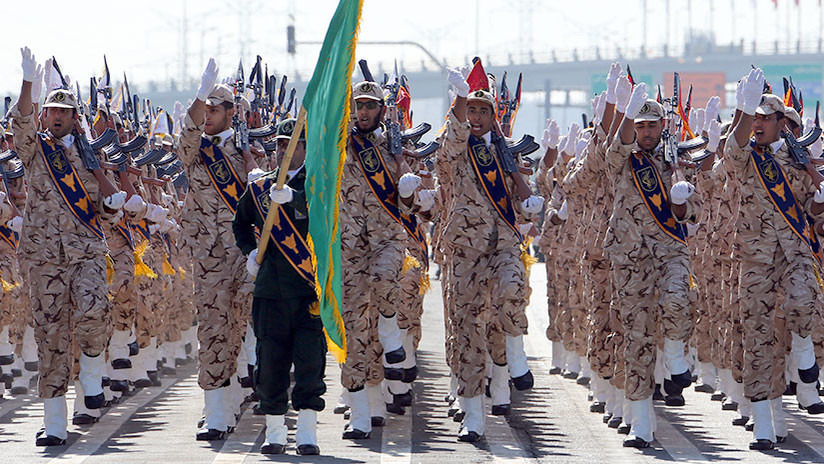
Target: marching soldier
(64, 254)
(285, 315)
(484, 242)
(372, 247)
(647, 246)
(775, 252)
(217, 174)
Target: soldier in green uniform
(285, 318)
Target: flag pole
(284, 169)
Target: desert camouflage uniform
(223, 288)
(372, 253)
(645, 259)
(773, 257)
(489, 277)
(66, 264)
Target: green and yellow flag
(327, 117)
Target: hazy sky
(145, 39)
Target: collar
(224, 137)
(291, 174)
(487, 138)
(67, 140)
(777, 145)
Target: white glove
(207, 80)
(426, 199)
(623, 90)
(598, 110)
(458, 82)
(15, 224)
(572, 138)
(166, 226)
(115, 200)
(808, 122)
(179, 111)
(714, 135)
(134, 204)
(153, 228)
(29, 65)
(180, 204)
(711, 113)
(816, 148)
(254, 175)
(819, 194)
(533, 204)
(753, 89)
(637, 100)
(680, 192)
(466, 71)
(563, 212)
(155, 213)
(168, 200)
(739, 94)
(47, 70)
(281, 196)
(697, 120)
(37, 85)
(252, 266)
(580, 146)
(407, 185)
(562, 144)
(551, 135)
(612, 79)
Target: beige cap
(61, 98)
(792, 115)
(481, 96)
(117, 120)
(168, 140)
(221, 93)
(651, 111)
(367, 91)
(770, 104)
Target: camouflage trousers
(123, 290)
(552, 331)
(450, 333)
(637, 276)
(760, 284)
(703, 309)
(577, 307)
(489, 290)
(410, 307)
(735, 340)
(223, 295)
(600, 357)
(371, 274)
(69, 302)
(720, 315)
(150, 290)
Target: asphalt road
(551, 423)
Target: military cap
(221, 93)
(481, 96)
(770, 104)
(286, 127)
(368, 91)
(61, 98)
(651, 111)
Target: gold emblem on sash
(648, 181)
(370, 159)
(57, 162)
(221, 171)
(483, 155)
(768, 168)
